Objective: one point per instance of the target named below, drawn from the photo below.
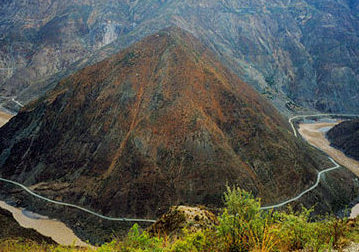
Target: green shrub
(141, 241)
(199, 241)
(243, 226)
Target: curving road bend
(4, 118)
(306, 191)
(26, 189)
(337, 166)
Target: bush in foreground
(243, 226)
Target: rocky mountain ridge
(159, 124)
(297, 53)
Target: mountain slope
(303, 52)
(345, 137)
(160, 124)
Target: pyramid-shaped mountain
(159, 124)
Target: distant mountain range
(297, 53)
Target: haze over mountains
(302, 51)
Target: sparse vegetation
(242, 227)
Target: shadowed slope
(161, 123)
(345, 137)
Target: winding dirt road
(310, 132)
(60, 203)
(319, 174)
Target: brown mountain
(159, 124)
(345, 137)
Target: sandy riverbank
(315, 135)
(4, 118)
(57, 230)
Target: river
(4, 118)
(57, 230)
(314, 133)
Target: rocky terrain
(162, 123)
(297, 53)
(345, 137)
(178, 218)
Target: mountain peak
(159, 124)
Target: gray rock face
(301, 52)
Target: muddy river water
(57, 230)
(314, 133)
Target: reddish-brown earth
(162, 123)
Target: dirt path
(57, 230)
(314, 134)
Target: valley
(159, 124)
(314, 133)
(56, 230)
(113, 112)
(59, 232)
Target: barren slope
(160, 124)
